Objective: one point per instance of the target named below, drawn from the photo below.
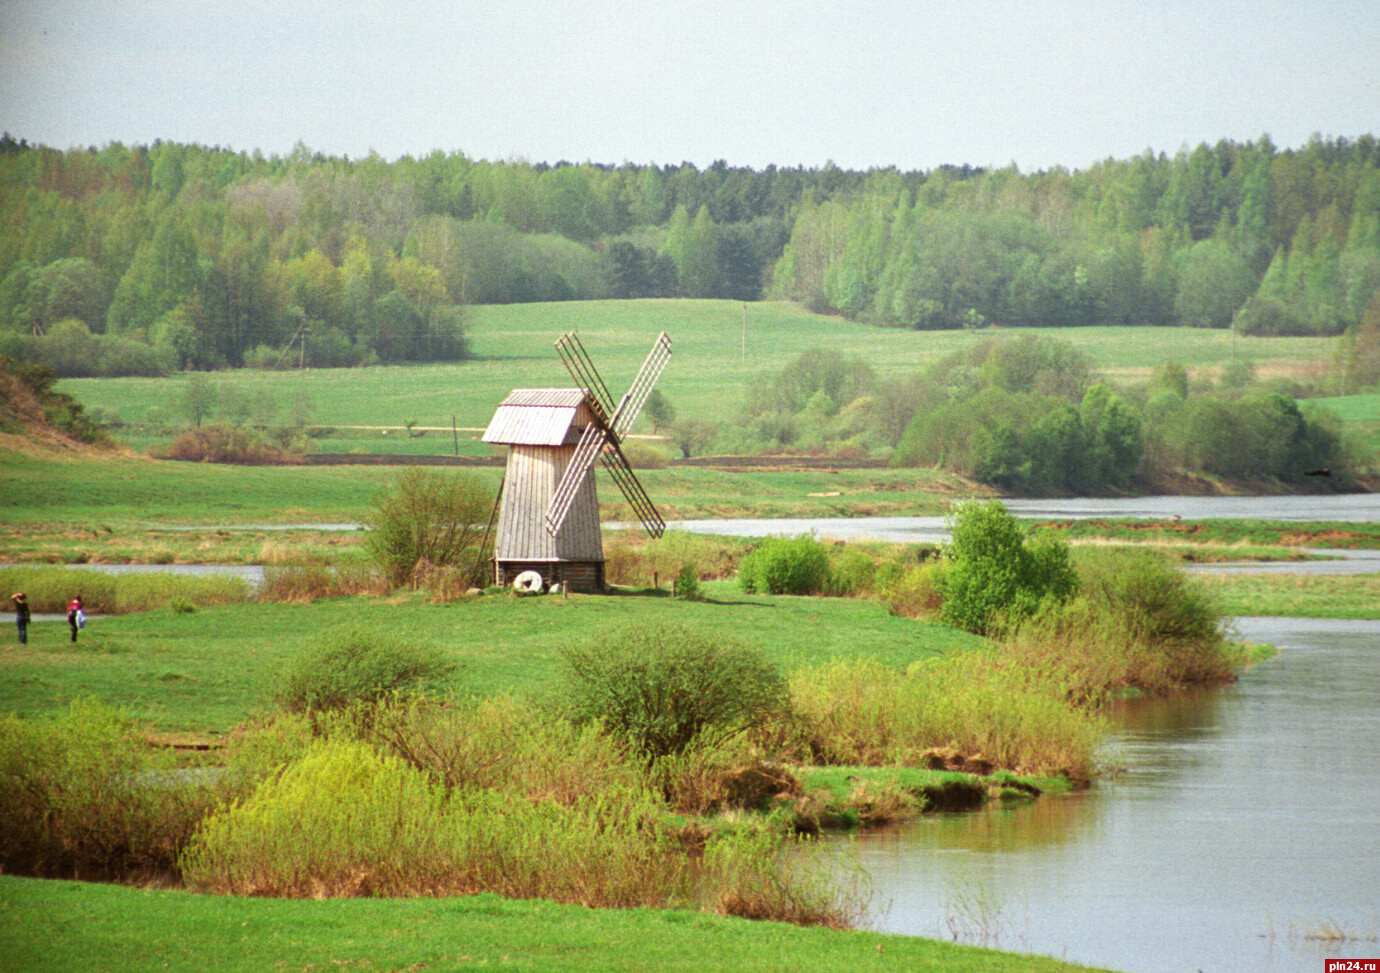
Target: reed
(49, 589)
(865, 712)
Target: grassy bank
(60, 926)
(1211, 535)
(1300, 596)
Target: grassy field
(211, 670)
(707, 377)
(104, 495)
(61, 926)
(1300, 596)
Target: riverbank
(55, 927)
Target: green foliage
(356, 664)
(994, 575)
(663, 686)
(432, 519)
(786, 566)
(688, 583)
(82, 793)
(51, 588)
(862, 712)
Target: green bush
(663, 686)
(688, 583)
(786, 566)
(851, 572)
(352, 665)
(431, 518)
(993, 575)
(83, 794)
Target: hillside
(34, 420)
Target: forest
(145, 259)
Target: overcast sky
(911, 84)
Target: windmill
(548, 520)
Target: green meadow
(720, 349)
(54, 927)
(213, 669)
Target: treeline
(1030, 415)
(139, 259)
(1245, 235)
(177, 256)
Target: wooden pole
(456, 433)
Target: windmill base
(585, 576)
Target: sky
(861, 83)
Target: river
(1240, 836)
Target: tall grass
(84, 796)
(864, 712)
(51, 588)
(1137, 623)
(633, 558)
(349, 820)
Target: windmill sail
(607, 431)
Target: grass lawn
(707, 378)
(211, 670)
(63, 926)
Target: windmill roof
(539, 417)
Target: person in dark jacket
(21, 616)
(75, 617)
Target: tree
(198, 399)
(994, 574)
(691, 436)
(659, 410)
(430, 518)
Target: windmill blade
(617, 465)
(581, 462)
(581, 368)
(641, 387)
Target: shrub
(916, 592)
(226, 444)
(433, 517)
(83, 795)
(643, 456)
(688, 583)
(661, 687)
(352, 664)
(1138, 623)
(347, 821)
(781, 566)
(993, 575)
(851, 572)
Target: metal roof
(539, 417)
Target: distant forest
(144, 259)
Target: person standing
(21, 616)
(75, 617)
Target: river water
(1240, 837)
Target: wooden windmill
(548, 519)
